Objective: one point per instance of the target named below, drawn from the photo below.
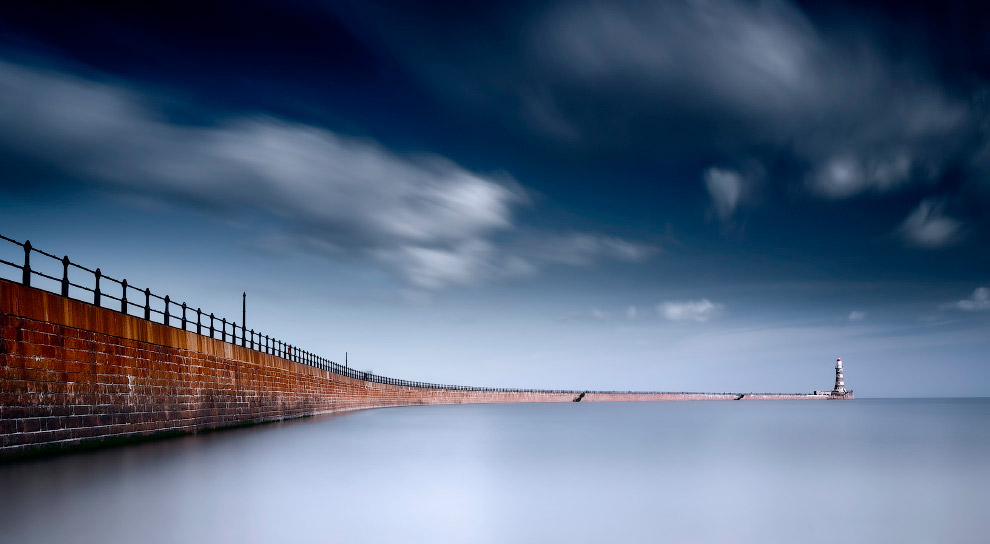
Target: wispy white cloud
(690, 310)
(725, 188)
(856, 315)
(632, 313)
(845, 175)
(757, 66)
(729, 188)
(928, 226)
(428, 218)
(580, 249)
(978, 301)
(346, 190)
(600, 314)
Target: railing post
(183, 316)
(123, 296)
(223, 330)
(26, 276)
(252, 338)
(147, 304)
(199, 321)
(65, 276)
(96, 292)
(211, 325)
(167, 301)
(233, 333)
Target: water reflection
(871, 470)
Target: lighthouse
(840, 383)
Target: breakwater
(74, 373)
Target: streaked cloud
(729, 188)
(768, 75)
(430, 219)
(856, 315)
(725, 187)
(844, 176)
(978, 301)
(690, 310)
(928, 226)
(580, 249)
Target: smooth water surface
(773, 471)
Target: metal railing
(159, 309)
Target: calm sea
(871, 471)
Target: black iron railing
(152, 307)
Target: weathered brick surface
(71, 372)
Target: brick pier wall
(72, 373)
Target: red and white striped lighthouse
(840, 382)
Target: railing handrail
(250, 339)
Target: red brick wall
(71, 373)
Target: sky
(703, 195)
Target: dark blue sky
(682, 195)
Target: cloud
(733, 76)
(581, 249)
(344, 188)
(857, 315)
(753, 56)
(430, 219)
(690, 310)
(928, 227)
(632, 313)
(467, 263)
(725, 188)
(479, 261)
(600, 314)
(845, 176)
(728, 188)
(978, 301)
(760, 73)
